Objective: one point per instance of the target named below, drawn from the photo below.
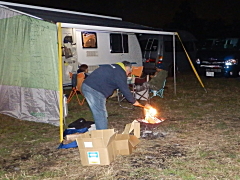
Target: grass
(201, 139)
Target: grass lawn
(200, 139)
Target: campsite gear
(67, 52)
(158, 92)
(73, 76)
(149, 129)
(73, 144)
(80, 123)
(139, 80)
(92, 127)
(97, 147)
(149, 68)
(150, 121)
(133, 83)
(68, 39)
(150, 125)
(126, 142)
(77, 80)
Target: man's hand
(147, 106)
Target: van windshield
(220, 44)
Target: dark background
(203, 18)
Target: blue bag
(74, 143)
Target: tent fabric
(29, 68)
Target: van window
(148, 44)
(119, 43)
(89, 39)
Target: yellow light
(152, 111)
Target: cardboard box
(72, 137)
(97, 147)
(134, 126)
(125, 143)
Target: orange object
(137, 71)
(77, 88)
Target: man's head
(128, 67)
(159, 67)
(84, 68)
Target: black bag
(80, 123)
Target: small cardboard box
(134, 126)
(126, 143)
(97, 147)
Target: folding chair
(121, 98)
(136, 80)
(137, 73)
(158, 92)
(77, 81)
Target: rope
(189, 59)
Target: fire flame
(150, 114)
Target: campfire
(150, 122)
(150, 116)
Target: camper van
(219, 57)
(96, 48)
(159, 49)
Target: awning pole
(174, 66)
(60, 80)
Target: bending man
(101, 83)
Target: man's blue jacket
(107, 78)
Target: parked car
(219, 57)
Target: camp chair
(136, 72)
(158, 92)
(136, 77)
(139, 80)
(76, 87)
(120, 96)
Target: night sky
(154, 13)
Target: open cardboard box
(72, 137)
(97, 147)
(126, 143)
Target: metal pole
(60, 80)
(174, 66)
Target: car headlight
(198, 61)
(231, 62)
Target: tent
(30, 71)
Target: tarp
(28, 68)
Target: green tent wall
(29, 85)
